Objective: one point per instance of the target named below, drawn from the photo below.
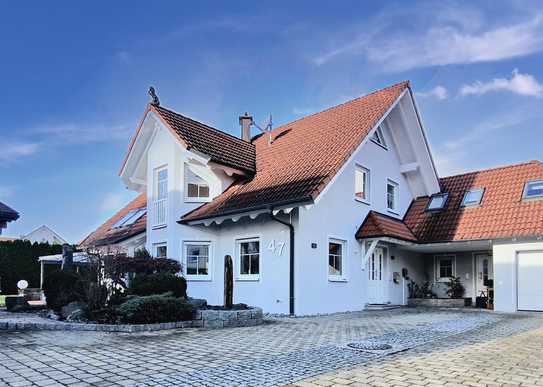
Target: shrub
(61, 288)
(155, 309)
(455, 288)
(106, 315)
(158, 283)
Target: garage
(530, 280)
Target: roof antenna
(154, 98)
(266, 128)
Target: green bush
(157, 308)
(158, 283)
(19, 260)
(61, 288)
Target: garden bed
(437, 302)
(206, 319)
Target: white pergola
(80, 259)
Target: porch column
(41, 275)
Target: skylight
(378, 138)
(437, 202)
(533, 189)
(130, 218)
(473, 197)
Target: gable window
(362, 184)
(378, 138)
(160, 196)
(445, 267)
(392, 196)
(196, 188)
(130, 218)
(161, 250)
(249, 258)
(197, 260)
(437, 202)
(473, 197)
(533, 189)
(336, 254)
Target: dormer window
(437, 202)
(130, 218)
(196, 188)
(533, 189)
(473, 197)
(378, 137)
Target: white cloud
(15, 150)
(440, 42)
(77, 134)
(113, 202)
(438, 92)
(522, 84)
(302, 111)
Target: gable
(305, 155)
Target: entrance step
(381, 306)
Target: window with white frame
(336, 256)
(196, 188)
(362, 184)
(160, 196)
(445, 267)
(248, 258)
(378, 137)
(197, 260)
(392, 195)
(160, 250)
(533, 189)
(473, 197)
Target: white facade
(398, 172)
(44, 234)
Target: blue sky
(75, 77)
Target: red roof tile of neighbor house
(304, 156)
(105, 234)
(379, 225)
(223, 148)
(503, 213)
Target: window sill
(364, 201)
(197, 278)
(158, 226)
(443, 280)
(248, 278)
(392, 212)
(197, 200)
(337, 279)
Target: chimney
(245, 122)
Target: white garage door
(530, 280)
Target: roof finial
(155, 101)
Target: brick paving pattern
(284, 351)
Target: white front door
(377, 293)
(483, 265)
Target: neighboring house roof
(106, 235)
(377, 225)
(7, 214)
(53, 237)
(305, 155)
(502, 213)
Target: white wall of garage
(505, 256)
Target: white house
(334, 211)
(44, 234)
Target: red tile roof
(223, 148)
(379, 225)
(105, 235)
(304, 157)
(502, 213)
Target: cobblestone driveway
(284, 351)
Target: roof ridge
(204, 124)
(493, 168)
(406, 82)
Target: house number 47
(276, 247)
